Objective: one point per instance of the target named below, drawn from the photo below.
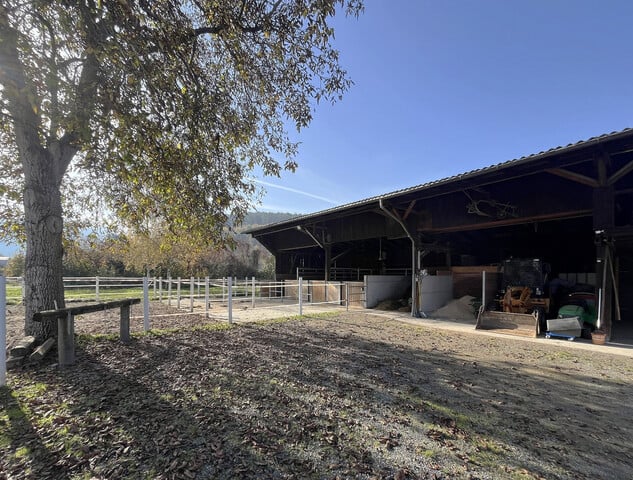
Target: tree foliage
(132, 110)
(169, 104)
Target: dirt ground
(339, 395)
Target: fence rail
(195, 293)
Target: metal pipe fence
(203, 295)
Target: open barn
(570, 207)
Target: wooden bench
(66, 324)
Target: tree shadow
(321, 399)
(25, 452)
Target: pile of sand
(460, 309)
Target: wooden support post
(66, 340)
(603, 224)
(125, 324)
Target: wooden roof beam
(620, 173)
(509, 222)
(409, 209)
(573, 176)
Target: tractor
(520, 306)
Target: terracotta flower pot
(598, 337)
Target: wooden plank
(94, 307)
(42, 350)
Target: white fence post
(230, 299)
(145, 304)
(154, 283)
(347, 295)
(169, 291)
(97, 288)
(3, 325)
(160, 289)
(192, 286)
(300, 295)
(178, 293)
(206, 296)
(253, 292)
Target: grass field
(14, 292)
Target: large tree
(145, 109)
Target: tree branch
(222, 27)
(21, 96)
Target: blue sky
(447, 86)
(443, 87)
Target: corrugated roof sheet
(461, 176)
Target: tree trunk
(43, 169)
(43, 282)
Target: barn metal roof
(593, 141)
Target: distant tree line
(158, 255)
(139, 255)
(135, 257)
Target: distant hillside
(265, 218)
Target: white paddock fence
(234, 298)
(195, 293)
(227, 299)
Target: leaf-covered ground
(351, 395)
